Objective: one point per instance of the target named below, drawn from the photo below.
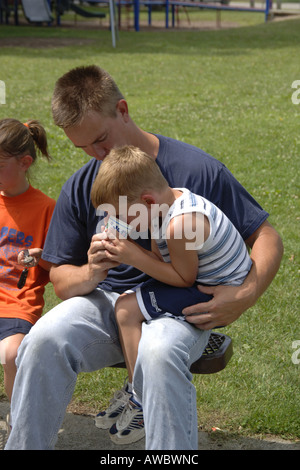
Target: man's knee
(46, 337)
(156, 347)
(166, 343)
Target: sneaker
(105, 419)
(130, 425)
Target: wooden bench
(215, 357)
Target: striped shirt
(223, 257)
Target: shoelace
(126, 416)
(121, 397)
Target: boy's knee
(8, 357)
(8, 350)
(125, 310)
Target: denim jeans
(80, 335)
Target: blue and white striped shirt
(223, 257)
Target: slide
(64, 5)
(37, 11)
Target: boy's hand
(121, 250)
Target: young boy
(192, 243)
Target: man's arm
(229, 302)
(69, 280)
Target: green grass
(228, 92)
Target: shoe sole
(129, 439)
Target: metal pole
(167, 13)
(112, 22)
(267, 10)
(137, 15)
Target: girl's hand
(35, 253)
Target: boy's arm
(127, 252)
(180, 272)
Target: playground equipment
(172, 5)
(4, 11)
(37, 11)
(63, 5)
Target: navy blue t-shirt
(74, 219)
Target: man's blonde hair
(126, 171)
(81, 90)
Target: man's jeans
(80, 335)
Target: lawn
(228, 91)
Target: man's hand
(226, 306)
(69, 280)
(98, 262)
(229, 302)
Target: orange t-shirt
(24, 222)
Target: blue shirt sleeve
(184, 165)
(239, 206)
(66, 240)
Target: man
(80, 334)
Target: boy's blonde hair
(84, 89)
(126, 171)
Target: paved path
(79, 433)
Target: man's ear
(122, 108)
(26, 162)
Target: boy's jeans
(76, 337)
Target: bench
(215, 357)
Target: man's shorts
(156, 298)
(13, 326)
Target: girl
(25, 215)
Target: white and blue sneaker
(129, 426)
(105, 419)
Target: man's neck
(148, 143)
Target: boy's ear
(26, 162)
(148, 199)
